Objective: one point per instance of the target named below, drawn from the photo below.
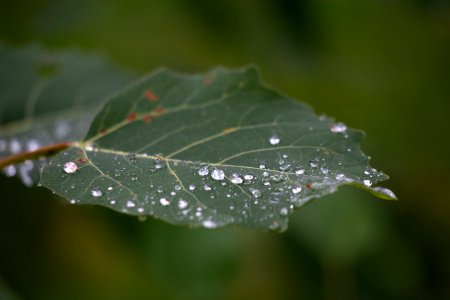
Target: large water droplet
(274, 140)
(217, 174)
(203, 171)
(96, 192)
(367, 183)
(338, 128)
(130, 204)
(70, 167)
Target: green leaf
(209, 150)
(49, 97)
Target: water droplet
(284, 167)
(314, 163)
(182, 204)
(385, 191)
(296, 190)
(203, 171)
(191, 187)
(158, 164)
(248, 177)
(209, 224)
(262, 166)
(255, 192)
(70, 167)
(367, 183)
(33, 145)
(324, 170)
(89, 147)
(300, 171)
(274, 140)
(141, 210)
(14, 146)
(366, 172)
(340, 177)
(338, 128)
(217, 174)
(112, 202)
(164, 201)
(110, 188)
(277, 178)
(177, 187)
(73, 201)
(96, 192)
(236, 179)
(284, 211)
(130, 204)
(134, 177)
(207, 187)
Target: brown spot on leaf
(151, 96)
(159, 110)
(131, 117)
(147, 118)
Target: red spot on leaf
(151, 96)
(309, 186)
(147, 119)
(159, 110)
(103, 131)
(131, 117)
(82, 160)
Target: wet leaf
(209, 150)
(49, 97)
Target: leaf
(209, 151)
(49, 97)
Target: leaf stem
(41, 152)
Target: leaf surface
(210, 150)
(48, 97)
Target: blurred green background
(382, 66)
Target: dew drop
(262, 166)
(340, 177)
(203, 171)
(324, 170)
(248, 177)
(255, 192)
(96, 193)
(207, 187)
(177, 187)
(277, 178)
(182, 204)
(209, 224)
(131, 157)
(274, 140)
(191, 187)
(134, 177)
(110, 188)
(236, 179)
(89, 147)
(130, 204)
(217, 174)
(338, 128)
(300, 171)
(70, 167)
(367, 183)
(164, 201)
(314, 163)
(284, 211)
(141, 210)
(296, 190)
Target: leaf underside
(208, 151)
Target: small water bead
(160, 189)
(338, 128)
(96, 193)
(182, 204)
(284, 211)
(110, 188)
(236, 179)
(248, 177)
(209, 224)
(262, 166)
(134, 177)
(33, 145)
(314, 163)
(385, 191)
(112, 202)
(73, 201)
(191, 187)
(172, 193)
(158, 165)
(324, 170)
(367, 183)
(274, 140)
(141, 210)
(14, 146)
(203, 171)
(131, 157)
(284, 167)
(255, 192)
(206, 187)
(218, 174)
(340, 177)
(164, 201)
(265, 174)
(277, 178)
(296, 190)
(300, 171)
(177, 187)
(70, 167)
(89, 147)
(130, 204)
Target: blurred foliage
(383, 66)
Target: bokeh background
(382, 66)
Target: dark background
(382, 66)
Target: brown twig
(41, 152)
